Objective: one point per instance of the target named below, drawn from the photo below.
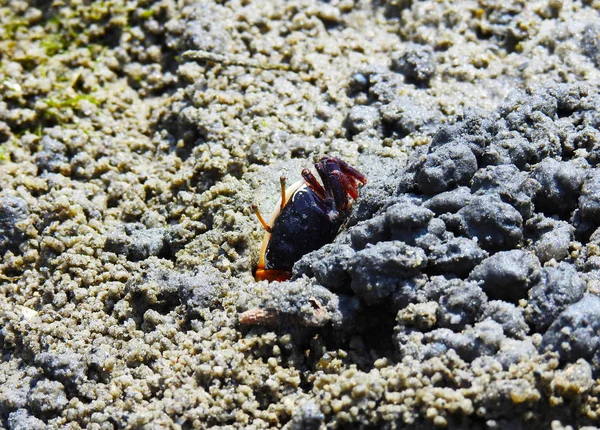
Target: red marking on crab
(307, 216)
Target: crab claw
(341, 180)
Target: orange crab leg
(260, 217)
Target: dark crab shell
(309, 218)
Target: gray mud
(463, 291)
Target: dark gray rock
(68, 368)
(523, 105)
(532, 114)
(405, 221)
(198, 290)
(460, 304)
(139, 243)
(385, 176)
(368, 232)
(508, 316)
(384, 84)
(47, 398)
(589, 200)
(590, 43)
(14, 388)
(560, 186)
(362, 118)
(573, 100)
(436, 286)
(408, 291)
(51, 155)
(162, 290)
(22, 420)
(530, 126)
(509, 184)
(446, 167)
(476, 130)
(509, 148)
(416, 63)
(12, 211)
(457, 255)
(496, 225)
(491, 213)
(404, 116)
(328, 266)
(484, 339)
(550, 238)
(507, 275)
(437, 227)
(576, 332)
(513, 351)
(307, 417)
(557, 288)
(449, 201)
(375, 270)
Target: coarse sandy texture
(462, 293)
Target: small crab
(308, 215)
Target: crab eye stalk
(313, 183)
(282, 180)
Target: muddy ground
(462, 292)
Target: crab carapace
(308, 216)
